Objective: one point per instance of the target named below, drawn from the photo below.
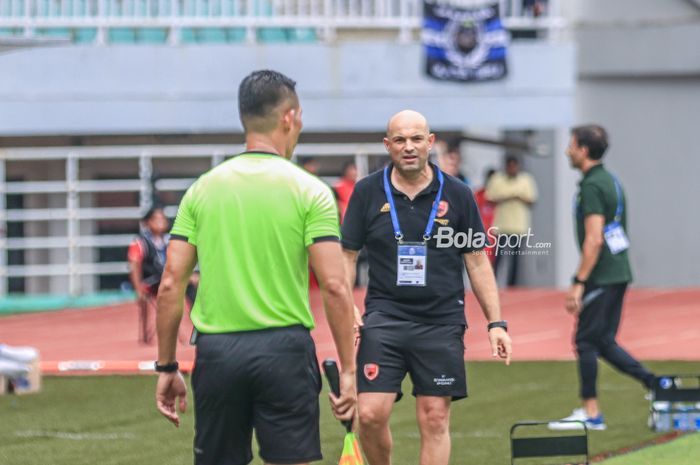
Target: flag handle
(330, 368)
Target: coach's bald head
(407, 118)
(408, 141)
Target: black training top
(367, 223)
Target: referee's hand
(501, 345)
(344, 406)
(171, 388)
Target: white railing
(324, 17)
(71, 239)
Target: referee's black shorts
(267, 381)
(433, 355)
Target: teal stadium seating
(149, 35)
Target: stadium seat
(302, 35)
(80, 8)
(211, 35)
(121, 35)
(55, 32)
(188, 36)
(152, 35)
(236, 34)
(85, 35)
(271, 35)
(7, 10)
(529, 447)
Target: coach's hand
(501, 345)
(344, 406)
(574, 299)
(171, 388)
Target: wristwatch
(169, 368)
(498, 324)
(576, 280)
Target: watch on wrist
(167, 368)
(576, 280)
(498, 324)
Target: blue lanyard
(392, 208)
(618, 191)
(618, 210)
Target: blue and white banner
(464, 44)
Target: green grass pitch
(111, 420)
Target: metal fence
(68, 185)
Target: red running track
(658, 324)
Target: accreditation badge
(412, 263)
(616, 238)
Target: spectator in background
(487, 209)
(450, 159)
(344, 187)
(534, 8)
(310, 165)
(514, 193)
(146, 257)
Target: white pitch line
(75, 436)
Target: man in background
(449, 159)
(487, 210)
(146, 256)
(514, 192)
(344, 187)
(599, 283)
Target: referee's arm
(181, 259)
(325, 257)
(171, 388)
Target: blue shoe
(597, 423)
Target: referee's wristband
(169, 368)
(498, 324)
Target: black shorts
(267, 381)
(433, 355)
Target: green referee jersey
(251, 219)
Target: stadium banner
(464, 44)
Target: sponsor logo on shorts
(371, 371)
(443, 381)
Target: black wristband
(575, 280)
(169, 368)
(498, 324)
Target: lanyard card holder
(616, 238)
(412, 263)
(411, 257)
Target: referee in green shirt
(252, 223)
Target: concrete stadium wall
(344, 87)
